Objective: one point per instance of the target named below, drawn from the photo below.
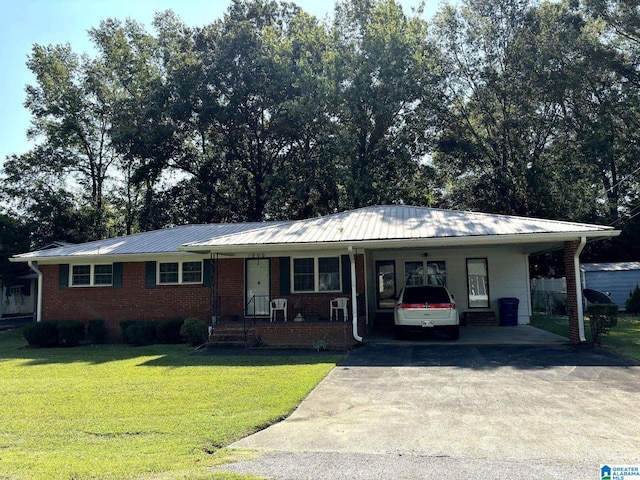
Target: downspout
(39, 300)
(576, 272)
(354, 296)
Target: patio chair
(276, 305)
(338, 304)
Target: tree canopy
(506, 106)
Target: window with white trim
(316, 274)
(436, 273)
(478, 282)
(178, 273)
(92, 275)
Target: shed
(617, 279)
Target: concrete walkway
(459, 410)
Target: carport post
(572, 252)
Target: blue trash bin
(509, 311)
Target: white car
(426, 307)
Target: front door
(258, 286)
(386, 283)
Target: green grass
(624, 338)
(115, 411)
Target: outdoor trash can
(509, 311)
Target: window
(316, 274)
(81, 275)
(414, 273)
(192, 272)
(303, 274)
(179, 272)
(329, 274)
(478, 282)
(92, 275)
(436, 273)
(103, 274)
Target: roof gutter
(576, 273)
(39, 300)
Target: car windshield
(425, 295)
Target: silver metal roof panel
(397, 223)
(157, 241)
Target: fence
(549, 296)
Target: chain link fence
(549, 296)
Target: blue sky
(26, 22)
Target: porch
(301, 321)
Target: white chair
(275, 305)
(338, 304)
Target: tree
(14, 239)
(71, 110)
(501, 110)
(384, 95)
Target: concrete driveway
(420, 410)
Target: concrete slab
(521, 411)
(484, 335)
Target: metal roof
(610, 267)
(399, 222)
(157, 241)
(373, 227)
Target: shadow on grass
(13, 346)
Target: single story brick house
(229, 274)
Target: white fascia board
(98, 259)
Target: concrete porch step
(231, 336)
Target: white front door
(258, 286)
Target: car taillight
(409, 306)
(442, 306)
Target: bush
(124, 325)
(97, 331)
(193, 331)
(603, 317)
(41, 334)
(141, 333)
(70, 333)
(632, 305)
(169, 332)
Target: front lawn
(624, 338)
(116, 411)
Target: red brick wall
(131, 302)
(303, 335)
(135, 302)
(230, 278)
(572, 298)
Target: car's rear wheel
(454, 332)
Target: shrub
(41, 334)
(70, 333)
(193, 331)
(97, 331)
(141, 333)
(603, 317)
(124, 325)
(632, 305)
(169, 332)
